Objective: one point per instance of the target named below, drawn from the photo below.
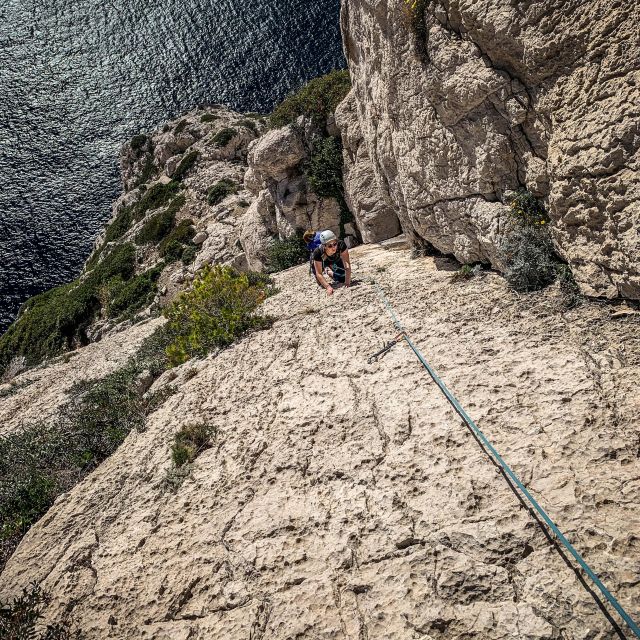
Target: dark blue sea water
(77, 78)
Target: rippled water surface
(78, 78)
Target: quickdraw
(387, 347)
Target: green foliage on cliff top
(56, 320)
(317, 99)
(220, 307)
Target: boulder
(276, 153)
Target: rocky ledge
(346, 500)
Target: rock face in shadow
(345, 500)
(459, 103)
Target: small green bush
(160, 224)
(155, 197)
(189, 255)
(189, 442)
(180, 127)
(249, 124)
(530, 259)
(149, 169)
(527, 211)
(172, 247)
(219, 308)
(186, 164)
(156, 228)
(20, 619)
(324, 168)
(137, 293)
(324, 174)
(137, 142)
(119, 226)
(286, 253)
(220, 190)
(209, 117)
(224, 137)
(316, 100)
(527, 251)
(43, 460)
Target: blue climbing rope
(506, 468)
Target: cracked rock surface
(346, 500)
(495, 96)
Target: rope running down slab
(505, 467)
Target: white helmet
(327, 236)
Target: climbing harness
(506, 469)
(374, 357)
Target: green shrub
(137, 293)
(137, 142)
(189, 255)
(316, 100)
(20, 619)
(527, 251)
(224, 137)
(120, 225)
(324, 168)
(149, 169)
(187, 445)
(249, 124)
(172, 246)
(209, 117)
(220, 190)
(324, 174)
(155, 197)
(254, 115)
(219, 308)
(526, 210)
(186, 164)
(180, 127)
(189, 442)
(160, 224)
(530, 259)
(57, 320)
(286, 253)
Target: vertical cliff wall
(459, 102)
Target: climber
(331, 259)
(312, 240)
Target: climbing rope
(502, 464)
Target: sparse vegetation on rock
(286, 253)
(186, 164)
(41, 461)
(224, 137)
(316, 100)
(188, 444)
(220, 190)
(57, 320)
